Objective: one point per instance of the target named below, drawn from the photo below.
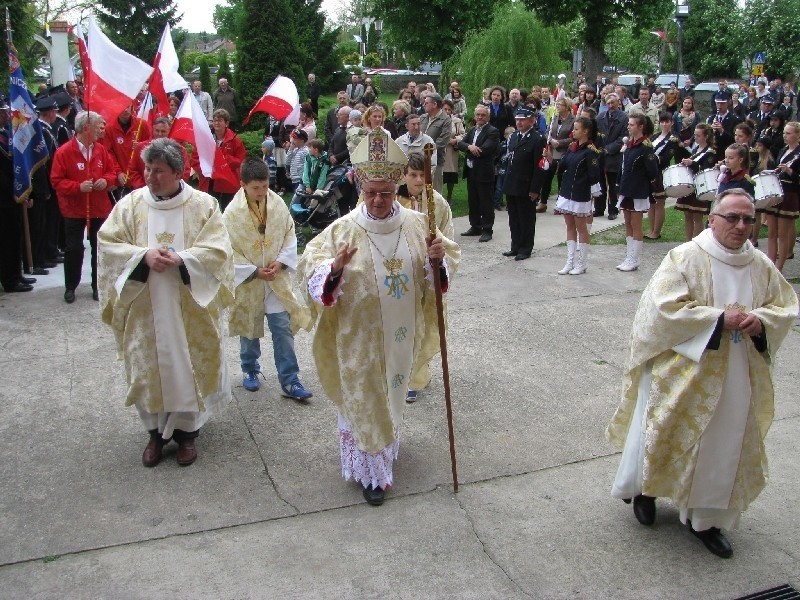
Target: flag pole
(26, 229)
(437, 286)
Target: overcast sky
(197, 14)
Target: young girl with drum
(579, 171)
(781, 217)
(639, 180)
(761, 161)
(735, 169)
(664, 146)
(701, 158)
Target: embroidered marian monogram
(396, 281)
(400, 334)
(397, 380)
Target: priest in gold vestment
(166, 272)
(368, 277)
(697, 391)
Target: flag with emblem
(28, 148)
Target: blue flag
(28, 148)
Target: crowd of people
(171, 263)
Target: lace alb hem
(316, 283)
(365, 468)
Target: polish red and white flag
(165, 78)
(280, 99)
(191, 126)
(113, 78)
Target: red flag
(191, 126)
(116, 76)
(165, 76)
(146, 110)
(86, 64)
(661, 34)
(222, 170)
(279, 100)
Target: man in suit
(480, 145)
(354, 91)
(439, 126)
(522, 183)
(338, 152)
(331, 121)
(613, 125)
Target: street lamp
(681, 14)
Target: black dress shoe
(95, 296)
(510, 253)
(69, 296)
(485, 236)
(473, 231)
(644, 507)
(522, 256)
(28, 280)
(715, 542)
(613, 216)
(374, 496)
(598, 213)
(40, 271)
(19, 287)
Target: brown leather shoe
(152, 452)
(187, 453)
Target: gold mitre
(378, 158)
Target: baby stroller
(318, 210)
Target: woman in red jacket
(82, 172)
(224, 183)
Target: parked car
(628, 79)
(666, 78)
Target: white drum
(706, 184)
(769, 191)
(678, 181)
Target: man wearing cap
(367, 278)
(438, 125)
(42, 193)
(723, 122)
(764, 113)
(523, 182)
(723, 93)
(11, 276)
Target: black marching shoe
(644, 508)
(28, 280)
(69, 296)
(374, 496)
(522, 256)
(598, 213)
(472, 231)
(613, 216)
(486, 236)
(714, 541)
(20, 286)
(510, 253)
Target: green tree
(599, 21)
(372, 60)
(259, 62)
(136, 27)
(433, 31)
(23, 26)
(708, 50)
(228, 18)
(782, 58)
(224, 66)
(204, 75)
(516, 50)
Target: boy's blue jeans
(282, 350)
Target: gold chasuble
(251, 249)
(168, 330)
(685, 390)
(383, 319)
